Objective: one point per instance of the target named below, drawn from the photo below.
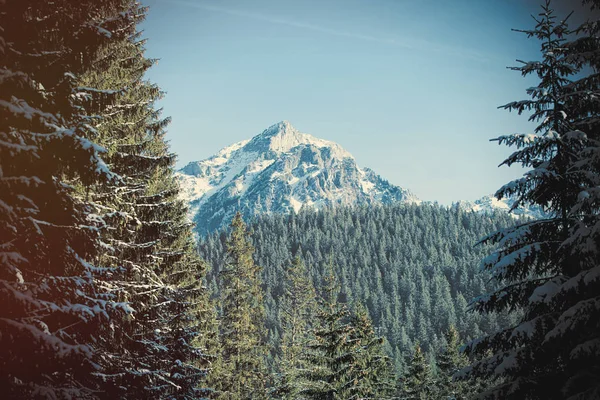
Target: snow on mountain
(279, 170)
(282, 169)
(489, 204)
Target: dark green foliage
(54, 302)
(373, 375)
(417, 383)
(297, 313)
(330, 356)
(414, 267)
(345, 359)
(148, 244)
(579, 295)
(549, 268)
(100, 282)
(242, 371)
(449, 362)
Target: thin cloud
(413, 44)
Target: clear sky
(409, 87)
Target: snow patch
(296, 205)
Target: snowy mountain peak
(282, 128)
(283, 137)
(490, 204)
(279, 170)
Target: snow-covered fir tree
(100, 277)
(53, 302)
(577, 331)
(147, 242)
(548, 268)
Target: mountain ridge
(489, 204)
(281, 170)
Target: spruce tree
(548, 268)
(210, 343)
(372, 375)
(417, 383)
(55, 301)
(148, 244)
(449, 361)
(242, 373)
(297, 313)
(577, 330)
(329, 356)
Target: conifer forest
(110, 290)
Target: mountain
(489, 204)
(278, 171)
(283, 169)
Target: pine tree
(449, 361)
(548, 267)
(577, 330)
(372, 376)
(417, 383)
(148, 244)
(55, 301)
(209, 342)
(127, 349)
(242, 373)
(329, 356)
(297, 314)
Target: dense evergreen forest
(104, 294)
(414, 267)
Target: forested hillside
(104, 293)
(414, 267)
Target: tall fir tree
(548, 268)
(148, 244)
(417, 383)
(372, 376)
(577, 330)
(55, 303)
(298, 309)
(449, 362)
(329, 356)
(210, 343)
(242, 369)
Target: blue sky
(409, 87)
